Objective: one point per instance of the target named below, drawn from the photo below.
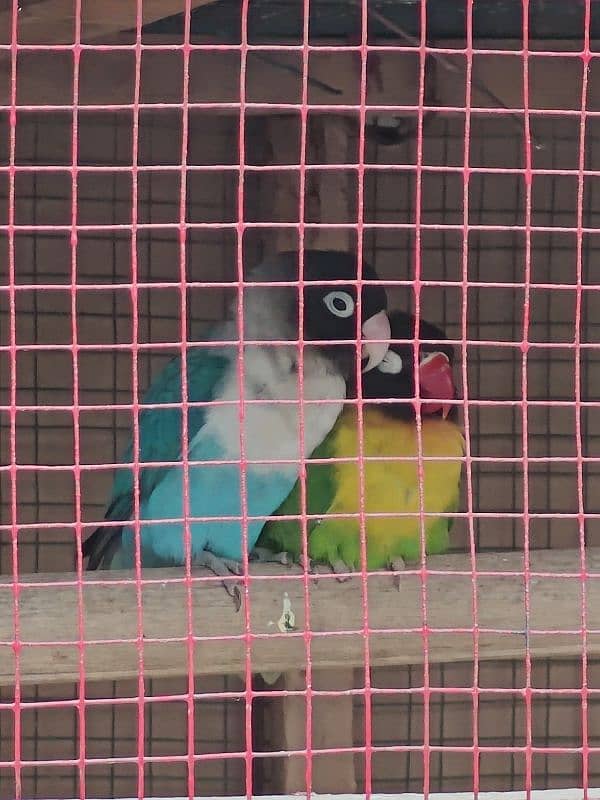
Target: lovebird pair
(271, 432)
(392, 486)
(327, 310)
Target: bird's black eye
(341, 304)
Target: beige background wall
(492, 314)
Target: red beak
(436, 382)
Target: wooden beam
(45, 77)
(335, 189)
(48, 613)
(328, 194)
(282, 132)
(53, 21)
(332, 728)
(327, 198)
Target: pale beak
(378, 329)
(436, 382)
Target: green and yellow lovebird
(391, 486)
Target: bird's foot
(311, 567)
(397, 566)
(223, 568)
(306, 563)
(315, 569)
(340, 568)
(265, 556)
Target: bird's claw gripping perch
(397, 566)
(222, 568)
(341, 569)
(311, 567)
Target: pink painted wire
(360, 178)
(425, 631)
(211, 47)
(585, 733)
(321, 107)
(465, 391)
(524, 411)
(81, 720)
(12, 350)
(136, 452)
(373, 226)
(308, 694)
(241, 226)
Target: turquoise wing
(160, 438)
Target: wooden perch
(48, 613)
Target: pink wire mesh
(370, 696)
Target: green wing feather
(280, 535)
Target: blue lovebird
(270, 428)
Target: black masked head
(330, 311)
(394, 376)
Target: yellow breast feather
(391, 487)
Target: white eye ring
(391, 364)
(330, 303)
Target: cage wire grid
(525, 747)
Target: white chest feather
(272, 428)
